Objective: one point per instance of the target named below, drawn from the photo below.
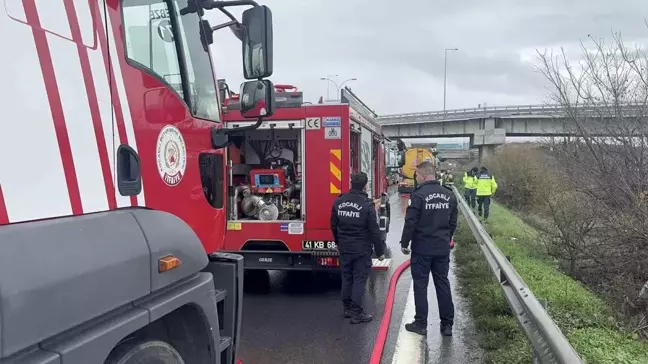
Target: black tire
(144, 352)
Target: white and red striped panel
(61, 122)
(380, 264)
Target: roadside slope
(586, 319)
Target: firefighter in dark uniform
(430, 223)
(355, 228)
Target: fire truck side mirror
(218, 138)
(206, 34)
(257, 43)
(257, 99)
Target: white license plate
(318, 245)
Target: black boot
(348, 309)
(446, 330)
(361, 317)
(417, 328)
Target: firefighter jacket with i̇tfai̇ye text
(354, 224)
(430, 219)
(486, 185)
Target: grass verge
(587, 321)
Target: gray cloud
(396, 49)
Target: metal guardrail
(501, 111)
(548, 342)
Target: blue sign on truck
(329, 122)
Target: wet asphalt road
(295, 317)
(462, 347)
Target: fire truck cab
(283, 177)
(111, 212)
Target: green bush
(586, 319)
(522, 173)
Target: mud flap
(380, 265)
(405, 190)
(227, 270)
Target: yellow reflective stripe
(336, 172)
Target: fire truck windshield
(168, 45)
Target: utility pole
(328, 85)
(445, 76)
(337, 88)
(345, 81)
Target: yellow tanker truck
(413, 156)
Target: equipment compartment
(265, 177)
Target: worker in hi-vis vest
(486, 187)
(470, 187)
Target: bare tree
(601, 227)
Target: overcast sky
(397, 52)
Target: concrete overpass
(458, 154)
(447, 153)
(488, 127)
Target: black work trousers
(438, 265)
(471, 197)
(355, 271)
(483, 201)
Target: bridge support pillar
(486, 151)
(488, 138)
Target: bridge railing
(548, 342)
(473, 110)
(511, 110)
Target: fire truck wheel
(145, 351)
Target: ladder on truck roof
(286, 96)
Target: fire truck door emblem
(171, 155)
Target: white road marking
(409, 346)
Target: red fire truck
(283, 178)
(112, 208)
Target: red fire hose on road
(381, 338)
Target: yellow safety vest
(470, 182)
(486, 185)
